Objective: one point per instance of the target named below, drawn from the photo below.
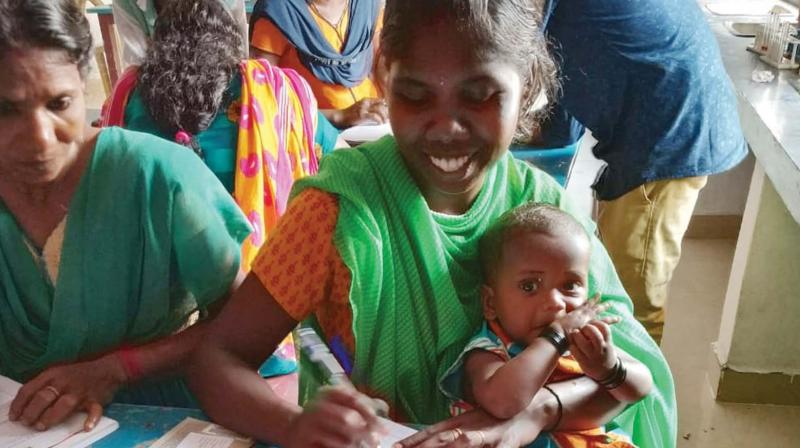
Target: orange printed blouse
(302, 269)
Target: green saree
(151, 237)
(415, 278)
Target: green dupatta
(415, 278)
(151, 236)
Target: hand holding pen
(339, 416)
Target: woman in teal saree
(112, 243)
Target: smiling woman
(378, 251)
(107, 246)
(451, 125)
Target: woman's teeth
(449, 164)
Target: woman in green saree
(111, 242)
(378, 251)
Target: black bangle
(558, 340)
(615, 378)
(619, 379)
(560, 412)
(611, 373)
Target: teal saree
(151, 237)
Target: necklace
(337, 26)
(336, 29)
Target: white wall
(726, 193)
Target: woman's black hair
(49, 24)
(506, 29)
(193, 56)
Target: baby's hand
(582, 315)
(593, 348)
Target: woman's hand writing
(339, 417)
(62, 390)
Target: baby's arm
(625, 378)
(506, 388)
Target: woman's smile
(450, 164)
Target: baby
(540, 327)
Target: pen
(332, 372)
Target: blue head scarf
(295, 21)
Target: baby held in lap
(539, 327)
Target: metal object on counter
(743, 29)
(776, 43)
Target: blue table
(140, 426)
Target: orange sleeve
(267, 37)
(297, 264)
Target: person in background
(193, 88)
(256, 126)
(112, 243)
(646, 78)
(539, 327)
(136, 20)
(378, 252)
(332, 45)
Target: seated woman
(111, 242)
(331, 44)
(192, 87)
(136, 20)
(238, 115)
(379, 252)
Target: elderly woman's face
(42, 115)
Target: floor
(693, 318)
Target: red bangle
(130, 363)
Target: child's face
(539, 278)
(452, 114)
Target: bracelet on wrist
(611, 373)
(615, 378)
(559, 412)
(558, 339)
(130, 363)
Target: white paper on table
(197, 440)
(365, 132)
(395, 432)
(210, 433)
(749, 8)
(68, 434)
